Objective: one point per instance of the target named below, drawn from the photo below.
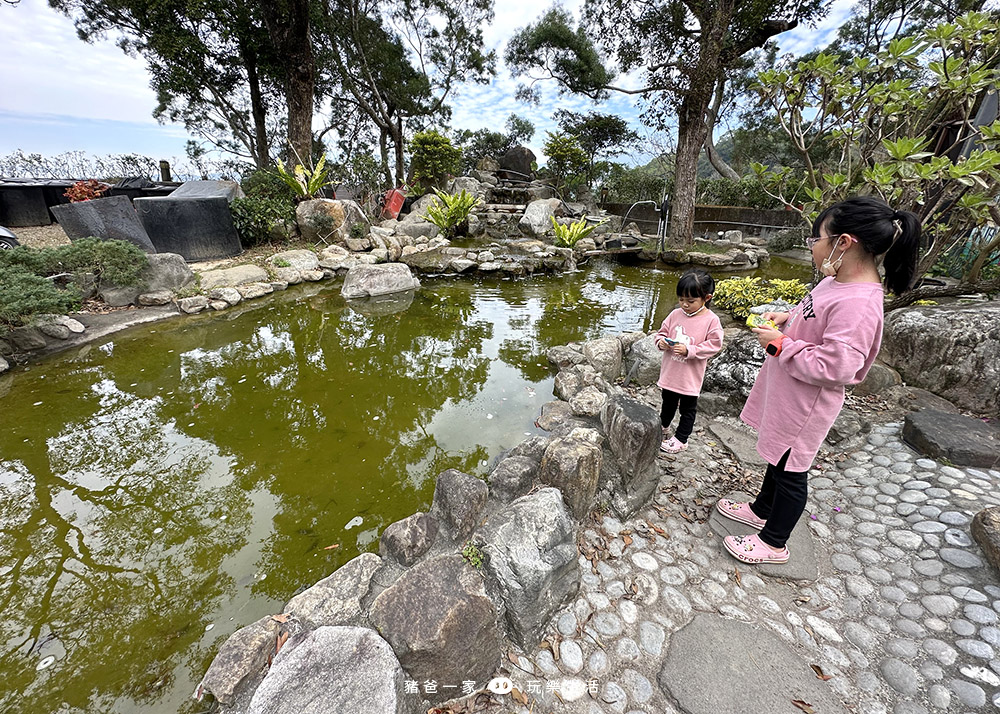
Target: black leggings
(781, 501)
(689, 410)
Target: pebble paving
(903, 616)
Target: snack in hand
(759, 321)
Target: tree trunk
(398, 138)
(288, 26)
(691, 132)
(935, 291)
(262, 153)
(711, 118)
(384, 153)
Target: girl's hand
(778, 318)
(766, 334)
(661, 344)
(680, 350)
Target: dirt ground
(41, 236)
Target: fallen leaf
(282, 618)
(658, 530)
(628, 540)
(512, 658)
(518, 696)
(282, 639)
(804, 706)
(736, 572)
(819, 673)
(331, 547)
(803, 598)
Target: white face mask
(830, 266)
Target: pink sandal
(739, 512)
(751, 549)
(672, 445)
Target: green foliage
(597, 134)
(485, 142)
(24, 294)
(305, 183)
(449, 211)
(357, 231)
(569, 236)
(112, 262)
(253, 217)
(567, 161)
(281, 263)
(627, 185)
(473, 555)
(748, 192)
(738, 295)
(432, 159)
(267, 183)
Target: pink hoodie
(833, 336)
(702, 334)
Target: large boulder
(469, 185)
(458, 502)
(241, 658)
(516, 164)
(537, 218)
(734, 370)
(111, 218)
(953, 350)
(435, 260)
(440, 622)
(336, 599)
(957, 438)
(333, 669)
(231, 277)
(415, 226)
(643, 361)
(299, 260)
(563, 356)
(198, 228)
(512, 477)
(605, 355)
(633, 435)
(406, 540)
(531, 562)
(166, 271)
(879, 379)
(331, 220)
(574, 467)
(364, 281)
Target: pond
(170, 484)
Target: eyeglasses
(813, 240)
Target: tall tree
(597, 134)
(681, 48)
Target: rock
(336, 599)
(566, 384)
(512, 477)
(283, 231)
(458, 502)
(376, 280)
(232, 277)
(241, 658)
(55, 331)
(537, 218)
(847, 424)
(197, 228)
(553, 414)
(414, 226)
(289, 276)
(298, 260)
(573, 466)
(26, 339)
(160, 297)
(643, 361)
(588, 402)
(532, 448)
(605, 355)
(330, 220)
(4, 365)
(962, 440)
(228, 190)
(467, 184)
(740, 442)
(406, 540)
(916, 399)
(440, 623)
(229, 295)
(735, 368)
(953, 350)
(879, 379)
(119, 297)
(335, 253)
(633, 435)
(383, 304)
(735, 237)
(311, 276)
(111, 218)
(531, 562)
(192, 305)
(563, 357)
(462, 265)
(252, 291)
(516, 164)
(986, 531)
(487, 164)
(218, 304)
(74, 326)
(333, 669)
(584, 245)
(166, 271)
(429, 261)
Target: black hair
(696, 283)
(879, 229)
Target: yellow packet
(759, 321)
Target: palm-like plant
(450, 210)
(305, 183)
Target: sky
(60, 94)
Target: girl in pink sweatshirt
(827, 341)
(688, 337)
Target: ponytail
(881, 231)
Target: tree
(211, 65)
(681, 47)
(397, 62)
(903, 125)
(485, 142)
(598, 135)
(566, 158)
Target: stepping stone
(742, 444)
(716, 665)
(802, 546)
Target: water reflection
(195, 473)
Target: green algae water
(166, 486)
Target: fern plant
(450, 210)
(305, 183)
(569, 236)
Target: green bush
(254, 215)
(450, 211)
(267, 183)
(569, 236)
(738, 295)
(113, 262)
(24, 294)
(432, 158)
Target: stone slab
(195, 228)
(960, 439)
(110, 218)
(208, 189)
(801, 545)
(716, 665)
(742, 444)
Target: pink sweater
(833, 336)
(702, 334)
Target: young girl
(826, 342)
(688, 337)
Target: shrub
(253, 217)
(267, 183)
(451, 210)
(432, 158)
(113, 262)
(86, 190)
(748, 192)
(569, 236)
(567, 161)
(24, 294)
(738, 295)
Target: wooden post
(165, 170)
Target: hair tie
(898, 225)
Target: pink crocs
(751, 549)
(739, 512)
(672, 445)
